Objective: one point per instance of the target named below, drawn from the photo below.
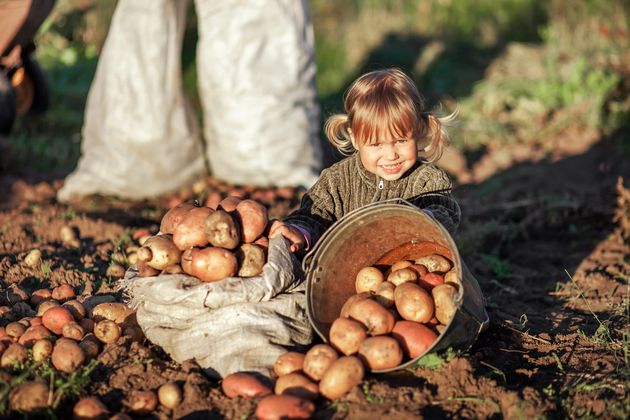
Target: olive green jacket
(347, 185)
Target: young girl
(385, 131)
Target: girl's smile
(389, 159)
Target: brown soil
(546, 235)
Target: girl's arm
(433, 194)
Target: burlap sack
(233, 325)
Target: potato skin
(298, 385)
(414, 338)
(382, 352)
(368, 279)
(222, 230)
(67, 355)
(384, 294)
(251, 259)
(374, 316)
(343, 375)
(318, 359)
(413, 303)
(56, 318)
(253, 218)
(243, 385)
(190, 231)
(435, 262)
(347, 335)
(289, 362)
(275, 407)
(174, 216)
(402, 275)
(213, 264)
(345, 309)
(445, 308)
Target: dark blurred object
(23, 86)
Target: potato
(368, 279)
(402, 275)
(213, 264)
(113, 311)
(73, 330)
(190, 232)
(45, 305)
(398, 265)
(76, 308)
(222, 230)
(33, 258)
(63, 292)
(142, 402)
(244, 385)
(36, 320)
(107, 331)
(90, 408)
(452, 277)
(40, 295)
(56, 318)
(435, 262)
(288, 362)
(343, 375)
(228, 204)
(87, 324)
(318, 359)
(297, 385)
(444, 297)
(420, 269)
(382, 352)
(429, 280)
(15, 354)
(253, 219)
(345, 309)
(213, 199)
(173, 269)
(67, 355)
(15, 329)
(414, 338)
(346, 335)
(170, 395)
(33, 334)
(29, 397)
(174, 216)
(145, 270)
(158, 252)
(374, 316)
(90, 345)
(187, 259)
(275, 407)
(42, 349)
(384, 294)
(413, 303)
(250, 259)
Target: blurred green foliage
(516, 70)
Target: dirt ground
(546, 234)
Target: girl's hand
(295, 237)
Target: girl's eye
(375, 144)
(402, 141)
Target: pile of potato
(395, 315)
(57, 326)
(207, 243)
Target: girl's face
(388, 158)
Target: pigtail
(336, 130)
(436, 134)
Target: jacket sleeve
(434, 195)
(316, 212)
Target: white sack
(256, 73)
(139, 139)
(233, 325)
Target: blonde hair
(387, 102)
